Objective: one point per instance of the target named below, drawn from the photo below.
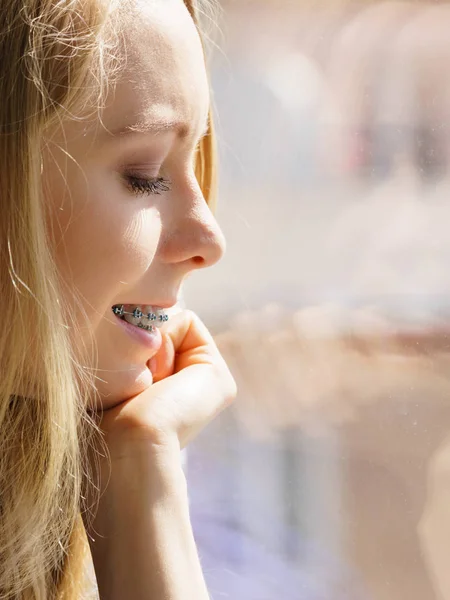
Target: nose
(191, 234)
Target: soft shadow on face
(114, 244)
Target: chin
(123, 385)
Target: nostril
(199, 260)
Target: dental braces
(138, 314)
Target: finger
(186, 341)
(162, 364)
(191, 398)
(191, 338)
(191, 377)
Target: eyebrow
(155, 127)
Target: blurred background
(329, 477)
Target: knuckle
(229, 386)
(190, 315)
(195, 321)
(224, 382)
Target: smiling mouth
(144, 317)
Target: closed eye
(143, 186)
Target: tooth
(149, 315)
(118, 310)
(142, 316)
(135, 317)
(161, 318)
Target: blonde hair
(55, 56)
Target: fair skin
(118, 248)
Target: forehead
(164, 75)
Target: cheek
(137, 246)
(114, 255)
(104, 244)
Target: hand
(192, 384)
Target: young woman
(106, 185)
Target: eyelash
(141, 186)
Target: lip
(169, 304)
(152, 340)
(166, 305)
